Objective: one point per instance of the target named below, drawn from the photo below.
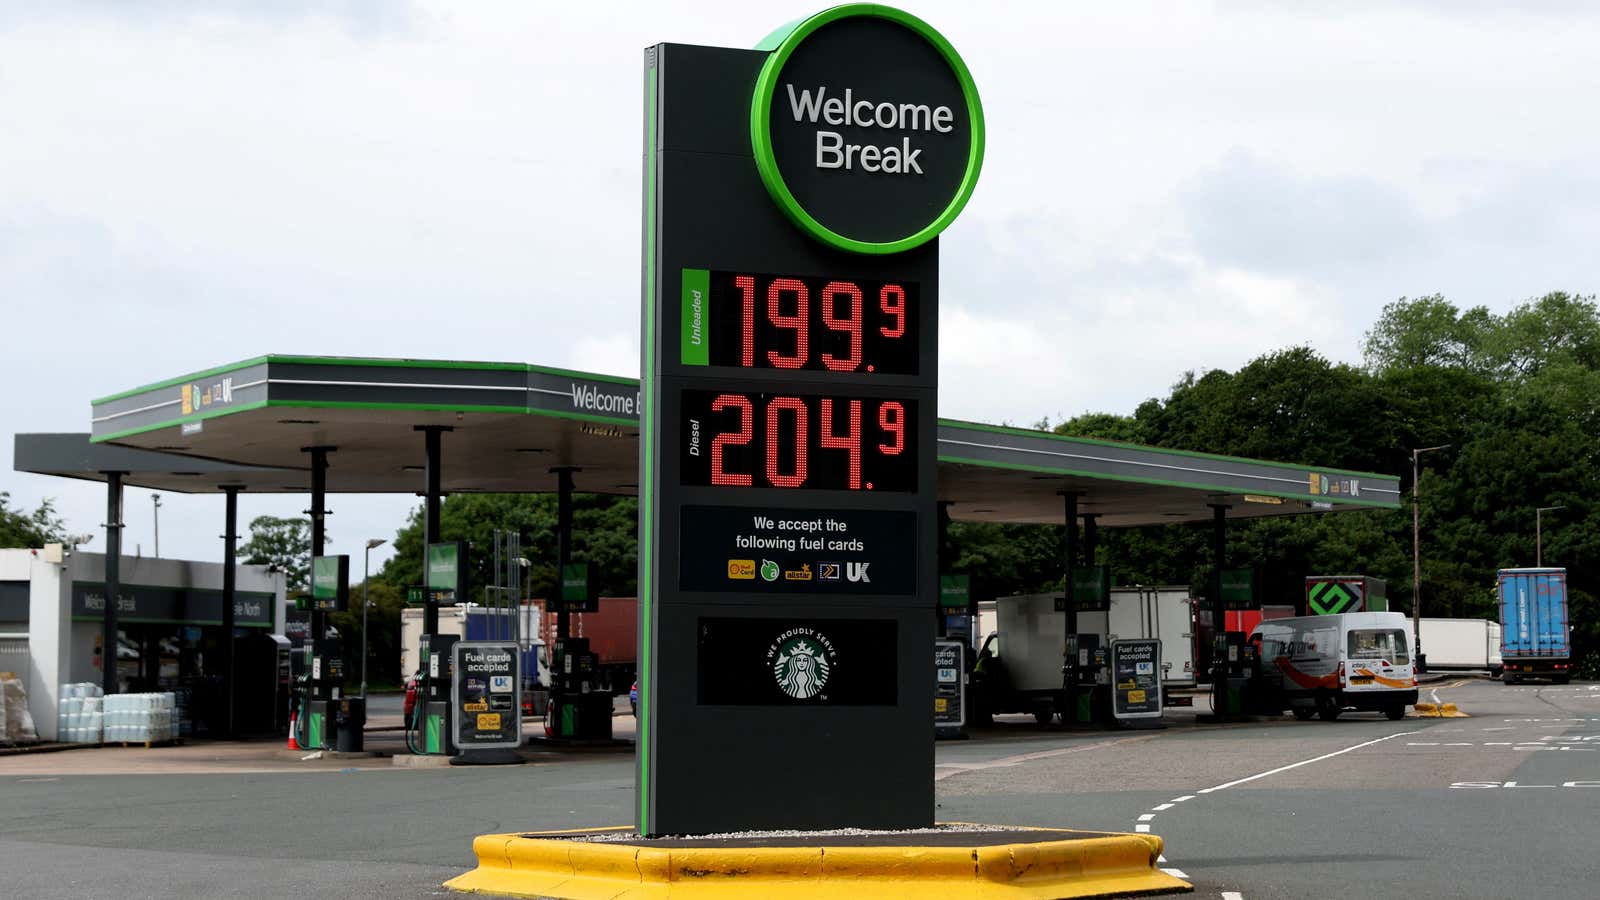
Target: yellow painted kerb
(1440, 711)
(1096, 866)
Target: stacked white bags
(136, 718)
(16, 726)
(80, 718)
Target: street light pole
(366, 577)
(155, 502)
(1416, 552)
(1538, 533)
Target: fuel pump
(324, 682)
(1231, 670)
(1089, 681)
(299, 690)
(580, 708)
(428, 732)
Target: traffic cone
(294, 721)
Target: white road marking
(1501, 728)
(1162, 808)
(1232, 895)
(1305, 762)
(1142, 828)
(1498, 744)
(1422, 743)
(1147, 817)
(1183, 798)
(1175, 873)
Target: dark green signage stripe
(174, 382)
(694, 335)
(353, 404)
(647, 421)
(1168, 451)
(181, 420)
(1135, 479)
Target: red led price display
(737, 439)
(826, 324)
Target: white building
(169, 623)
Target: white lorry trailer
(1462, 645)
(1030, 637)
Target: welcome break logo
(866, 128)
(802, 659)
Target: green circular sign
(866, 128)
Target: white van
(1324, 665)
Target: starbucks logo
(802, 659)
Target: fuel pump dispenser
(428, 732)
(1087, 660)
(324, 682)
(580, 708)
(1231, 669)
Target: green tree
(604, 535)
(35, 529)
(1102, 426)
(281, 542)
(383, 640)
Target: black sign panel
(783, 662)
(186, 606)
(790, 375)
(949, 691)
(1136, 679)
(484, 691)
(799, 441)
(783, 550)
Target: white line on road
(1305, 762)
(1175, 873)
(1232, 895)
(1147, 817)
(1162, 808)
(1142, 828)
(1183, 798)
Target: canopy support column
(563, 545)
(109, 644)
(432, 496)
(318, 513)
(230, 563)
(1069, 662)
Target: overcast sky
(1168, 186)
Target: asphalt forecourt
(1276, 808)
(1270, 808)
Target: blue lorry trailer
(1535, 638)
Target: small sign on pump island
(794, 195)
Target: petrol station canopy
(250, 424)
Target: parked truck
(1462, 645)
(1019, 663)
(612, 632)
(1535, 640)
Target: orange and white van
(1323, 665)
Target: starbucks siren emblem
(801, 662)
